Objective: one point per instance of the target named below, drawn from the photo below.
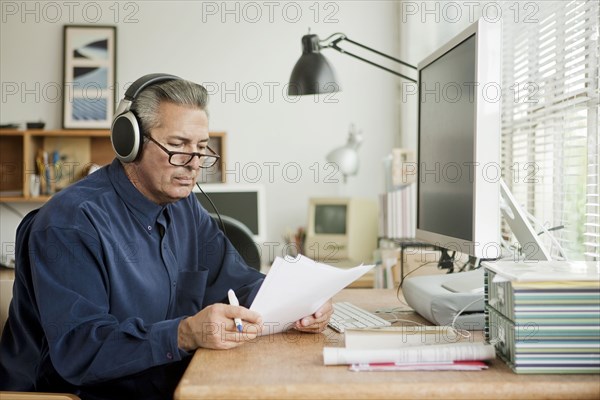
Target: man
(122, 275)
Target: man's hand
(213, 328)
(318, 321)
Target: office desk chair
(6, 287)
(241, 237)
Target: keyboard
(347, 315)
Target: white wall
(232, 58)
(424, 27)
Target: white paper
(411, 354)
(540, 271)
(296, 287)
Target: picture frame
(89, 76)
(215, 174)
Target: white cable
(453, 324)
(407, 320)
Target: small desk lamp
(346, 157)
(312, 74)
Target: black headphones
(125, 131)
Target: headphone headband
(147, 80)
(125, 131)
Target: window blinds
(550, 113)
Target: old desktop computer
(341, 231)
(242, 202)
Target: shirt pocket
(191, 289)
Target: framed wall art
(215, 174)
(89, 76)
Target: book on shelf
(396, 213)
(387, 269)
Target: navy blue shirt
(103, 278)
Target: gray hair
(179, 91)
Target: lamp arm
(333, 40)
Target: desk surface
(290, 365)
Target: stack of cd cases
(544, 316)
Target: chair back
(241, 237)
(6, 286)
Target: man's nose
(194, 163)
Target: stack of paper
(431, 356)
(296, 287)
(393, 337)
(428, 366)
(545, 316)
(408, 348)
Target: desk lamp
(313, 74)
(346, 157)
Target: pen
(233, 300)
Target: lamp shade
(312, 74)
(346, 159)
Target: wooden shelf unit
(18, 150)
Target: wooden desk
(290, 365)
(7, 273)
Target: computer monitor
(459, 143)
(341, 229)
(243, 202)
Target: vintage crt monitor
(243, 202)
(341, 230)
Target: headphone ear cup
(126, 138)
(125, 131)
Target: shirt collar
(145, 210)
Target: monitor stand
(446, 260)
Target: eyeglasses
(180, 159)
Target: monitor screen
(243, 202)
(239, 205)
(446, 147)
(459, 143)
(330, 219)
